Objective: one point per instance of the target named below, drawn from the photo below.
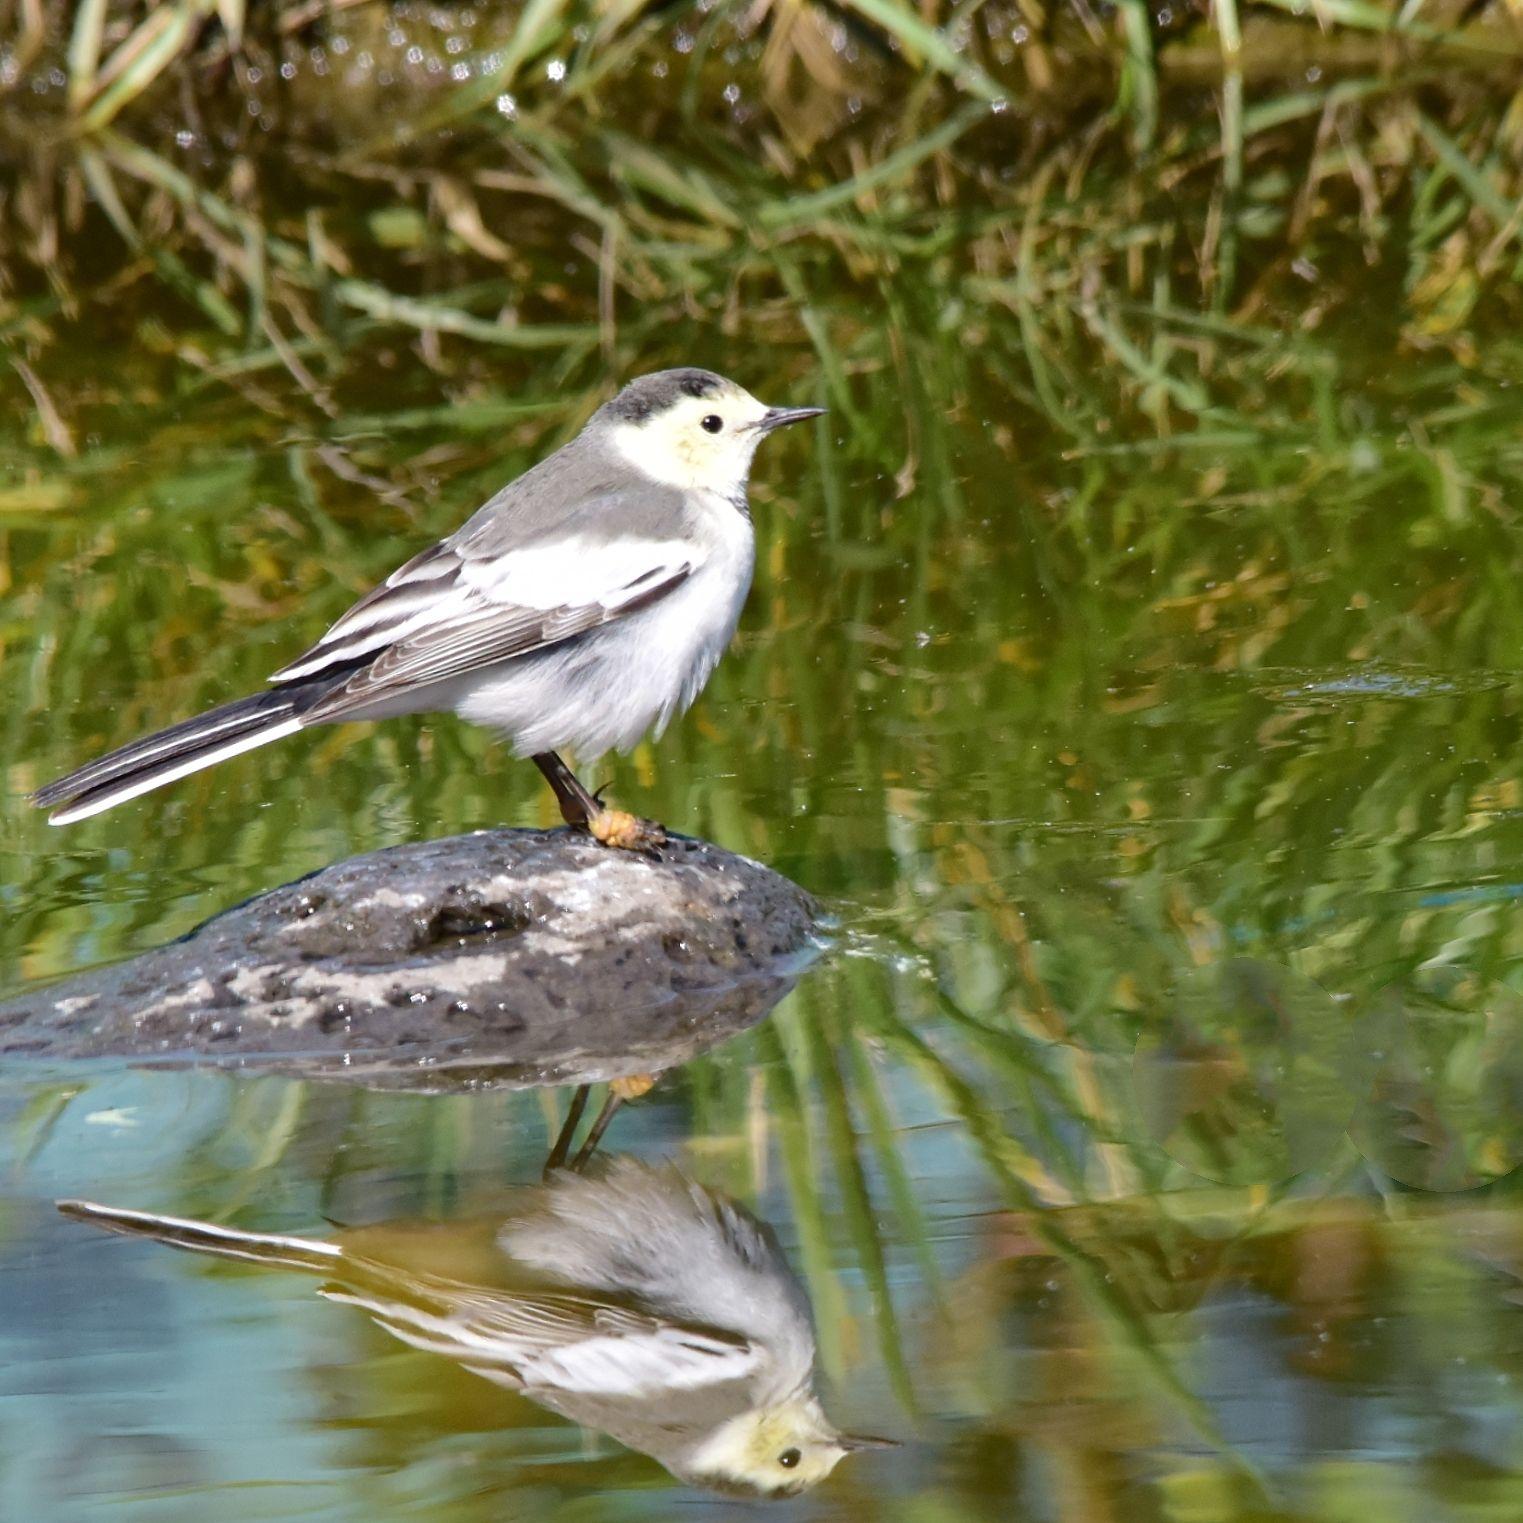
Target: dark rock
(506, 957)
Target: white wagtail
(582, 606)
(650, 1309)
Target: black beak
(780, 417)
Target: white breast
(704, 612)
(605, 691)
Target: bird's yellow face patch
(698, 443)
(777, 1451)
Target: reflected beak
(850, 1441)
(780, 417)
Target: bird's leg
(619, 1090)
(563, 1140)
(577, 805)
(613, 827)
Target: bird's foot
(632, 1086)
(627, 832)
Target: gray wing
(505, 585)
(568, 1343)
(684, 1250)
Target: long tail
(208, 1237)
(181, 749)
(429, 1312)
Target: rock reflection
(631, 1300)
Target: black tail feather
(131, 769)
(209, 1237)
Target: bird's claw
(632, 1086)
(627, 832)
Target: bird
(582, 606)
(633, 1301)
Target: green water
(1133, 667)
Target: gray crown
(654, 393)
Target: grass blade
(801, 209)
(84, 50)
(923, 41)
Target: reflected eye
(713, 423)
(789, 1457)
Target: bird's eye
(789, 1458)
(713, 423)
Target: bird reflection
(632, 1300)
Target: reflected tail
(207, 1237)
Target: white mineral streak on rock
(198, 993)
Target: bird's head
(692, 429)
(775, 1451)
